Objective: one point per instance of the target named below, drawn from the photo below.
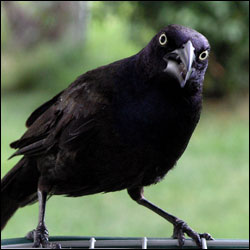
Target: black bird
(120, 126)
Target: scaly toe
(207, 236)
(181, 238)
(178, 232)
(30, 235)
(40, 238)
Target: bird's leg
(40, 234)
(180, 227)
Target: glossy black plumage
(120, 126)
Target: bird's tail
(18, 188)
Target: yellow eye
(203, 55)
(163, 39)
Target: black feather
(120, 126)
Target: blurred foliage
(225, 24)
(40, 43)
(46, 45)
(43, 46)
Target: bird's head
(178, 53)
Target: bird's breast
(157, 121)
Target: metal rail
(122, 242)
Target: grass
(208, 188)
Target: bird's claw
(40, 237)
(181, 227)
(207, 236)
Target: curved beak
(179, 63)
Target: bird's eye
(203, 55)
(163, 39)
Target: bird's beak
(179, 63)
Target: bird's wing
(66, 117)
(41, 109)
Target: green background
(209, 186)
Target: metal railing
(131, 242)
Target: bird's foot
(181, 227)
(40, 237)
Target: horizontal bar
(115, 242)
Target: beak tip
(183, 83)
